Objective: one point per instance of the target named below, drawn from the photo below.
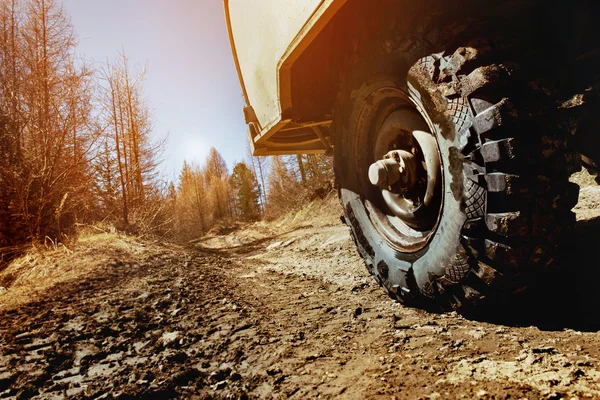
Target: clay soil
(287, 310)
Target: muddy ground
(289, 311)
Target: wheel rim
(400, 174)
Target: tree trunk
(118, 146)
(301, 168)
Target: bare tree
(130, 155)
(260, 167)
(70, 149)
(45, 103)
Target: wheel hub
(396, 167)
(399, 169)
(408, 174)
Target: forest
(78, 148)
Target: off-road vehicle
(454, 127)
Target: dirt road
(275, 313)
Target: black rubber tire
(506, 198)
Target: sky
(191, 83)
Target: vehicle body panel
(267, 37)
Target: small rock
(184, 377)
(288, 242)
(117, 263)
(220, 385)
(585, 363)
(543, 350)
(274, 245)
(179, 357)
(358, 311)
(218, 376)
(132, 379)
(169, 337)
(477, 333)
(225, 368)
(148, 377)
(482, 393)
(234, 377)
(3, 290)
(272, 371)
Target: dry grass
(28, 277)
(318, 213)
(321, 212)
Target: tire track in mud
(135, 330)
(251, 324)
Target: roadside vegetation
(39, 268)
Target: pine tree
(246, 191)
(216, 178)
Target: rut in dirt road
(134, 329)
(296, 321)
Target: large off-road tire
(502, 199)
